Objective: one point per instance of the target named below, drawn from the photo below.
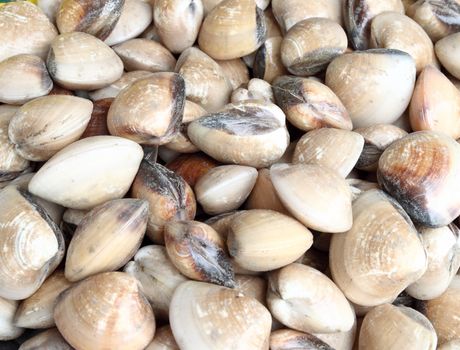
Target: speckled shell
(50, 339)
(112, 90)
(267, 61)
(8, 330)
(448, 51)
(287, 339)
(163, 340)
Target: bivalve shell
(236, 71)
(191, 167)
(288, 339)
(50, 339)
(267, 61)
(163, 340)
(8, 330)
(97, 125)
(448, 50)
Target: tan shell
(236, 71)
(287, 339)
(144, 54)
(234, 28)
(50, 339)
(66, 178)
(18, 18)
(255, 243)
(157, 276)
(31, 243)
(191, 167)
(256, 89)
(136, 15)
(37, 310)
(312, 193)
(49, 8)
(337, 149)
(249, 133)
(309, 104)
(169, 197)
(150, 110)
(112, 90)
(375, 85)
(448, 50)
(304, 299)
(210, 4)
(370, 263)
(205, 81)
(97, 125)
(435, 104)
(396, 328)
(340, 340)
(217, 318)
(421, 172)
(163, 340)
(393, 30)
(80, 61)
(44, 126)
(8, 330)
(86, 318)
(273, 28)
(311, 44)
(252, 286)
(451, 345)
(267, 61)
(151, 33)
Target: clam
(151, 32)
(44, 126)
(255, 242)
(376, 139)
(421, 171)
(447, 50)
(225, 188)
(236, 71)
(249, 133)
(442, 246)
(217, 318)
(359, 186)
(74, 216)
(288, 339)
(337, 149)
(191, 167)
(311, 44)
(163, 340)
(31, 243)
(198, 252)
(221, 222)
(306, 300)
(178, 22)
(37, 310)
(435, 104)
(97, 125)
(252, 286)
(267, 62)
(136, 15)
(8, 330)
(255, 89)
(374, 85)
(169, 197)
(210, 4)
(144, 54)
(273, 28)
(80, 61)
(234, 28)
(49, 8)
(206, 83)
(340, 340)
(86, 318)
(312, 193)
(380, 255)
(396, 328)
(150, 110)
(67, 179)
(393, 30)
(157, 275)
(17, 19)
(309, 104)
(50, 339)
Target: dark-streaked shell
(267, 62)
(191, 167)
(288, 339)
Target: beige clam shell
(8, 330)
(163, 340)
(217, 318)
(255, 89)
(74, 216)
(340, 340)
(50, 339)
(286, 339)
(68, 180)
(448, 51)
(49, 8)
(236, 71)
(267, 61)
(252, 286)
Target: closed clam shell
(340, 340)
(22, 78)
(106, 238)
(247, 133)
(44, 126)
(334, 148)
(287, 339)
(144, 54)
(80, 61)
(112, 90)
(150, 110)
(255, 243)
(393, 30)
(31, 242)
(169, 197)
(68, 180)
(37, 310)
(157, 275)
(97, 18)
(311, 44)
(374, 85)
(225, 188)
(421, 171)
(435, 104)
(97, 125)
(312, 193)
(267, 62)
(50, 339)
(49, 8)
(380, 255)
(205, 81)
(396, 328)
(234, 28)
(178, 22)
(236, 71)
(136, 15)
(17, 19)
(442, 246)
(86, 318)
(448, 50)
(191, 167)
(163, 340)
(217, 318)
(309, 104)
(8, 330)
(256, 89)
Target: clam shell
(97, 125)
(86, 318)
(252, 286)
(8, 330)
(286, 339)
(273, 28)
(67, 179)
(210, 4)
(451, 345)
(267, 61)
(49, 8)
(191, 167)
(50, 339)
(151, 33)
(163, 340)
(340, 340)
(217, 318)
(447, 50)
(256, 89)
(74, 216)
(236, 71)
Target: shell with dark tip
(267, 62)
(288, 339)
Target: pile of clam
(230, 175)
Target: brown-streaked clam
(191, 167)
(97, 125)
